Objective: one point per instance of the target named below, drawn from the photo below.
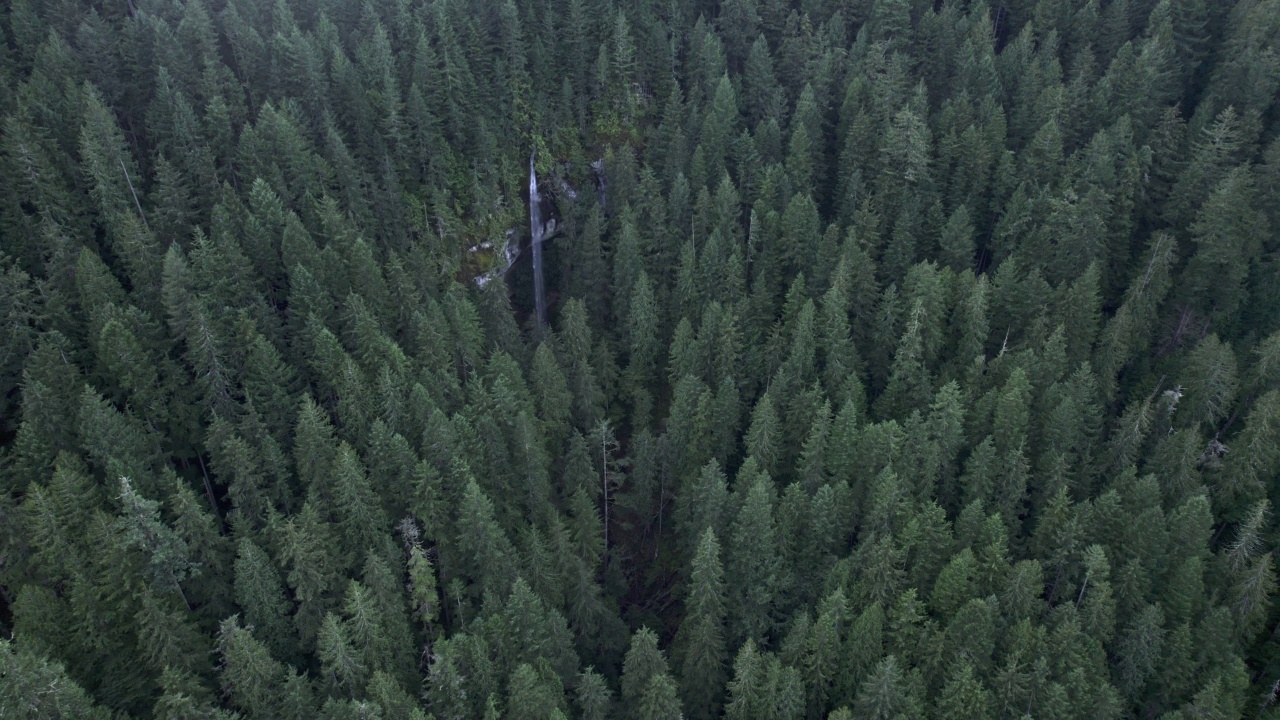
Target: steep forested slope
(905, 359)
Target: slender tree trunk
(126, 173)
(208, 488)
(604, 484)
(178, 586)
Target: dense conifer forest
(903, 359)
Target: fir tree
(700, 641)
(260, 595)
(752, 557)
(643, 662)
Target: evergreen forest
(639, 359)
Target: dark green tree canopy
(900, 359)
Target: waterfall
(536, 231)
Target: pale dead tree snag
(1096, 564)
(1212, 455)
(1189, 328)
(1159, 252)
(611, 470)
(1275, 687)
(409, 534)
(130, 181)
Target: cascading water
(535, 232)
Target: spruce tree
(643, 662)
(37, 688)
(261, 597)
(752, 558)
(700, 642)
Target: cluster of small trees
(922, 360)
